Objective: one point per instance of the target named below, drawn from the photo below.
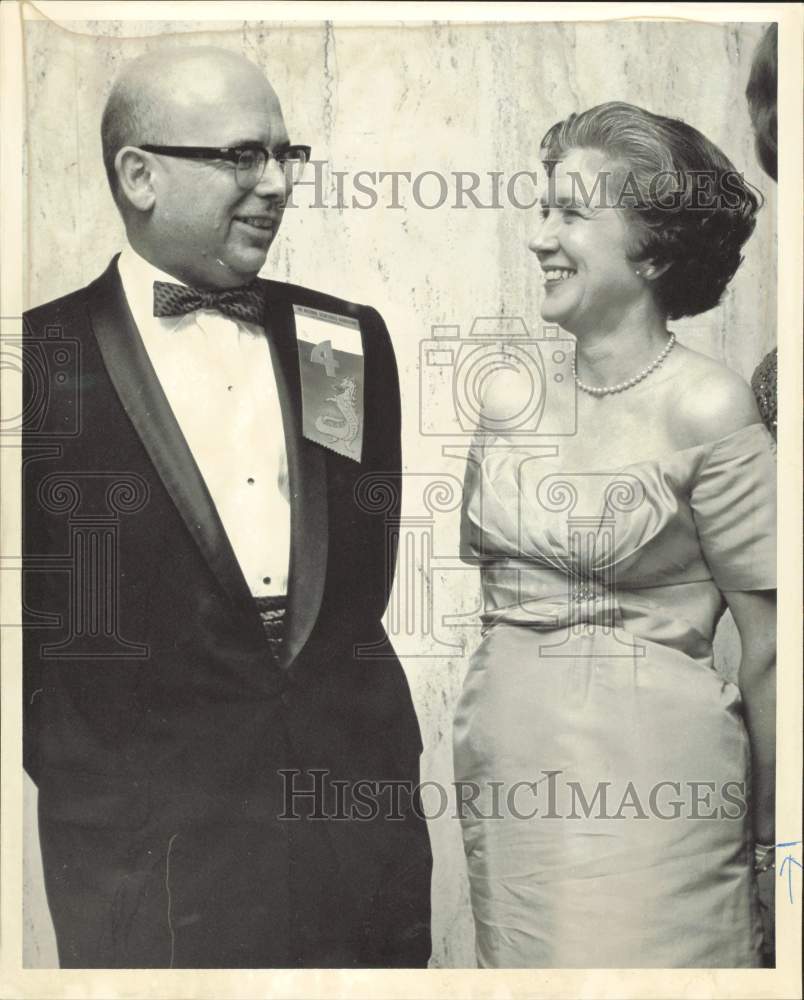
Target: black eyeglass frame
(231, 154)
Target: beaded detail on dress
(764, 383)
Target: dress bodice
(649, 546)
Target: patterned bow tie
(245, 303)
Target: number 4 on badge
(322, 354)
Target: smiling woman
(606, 562)
(582, 248)
(689, 210)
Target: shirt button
(250, 481)
(266, 579)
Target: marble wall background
(446, 97)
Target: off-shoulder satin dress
(594, 688)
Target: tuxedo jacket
(169, 746)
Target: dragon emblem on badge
(345, 428)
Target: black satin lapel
(144, 401)
(307, 474)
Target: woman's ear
(650, 271)
(134, 170)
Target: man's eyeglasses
(249, 161)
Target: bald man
(213, 714)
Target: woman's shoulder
(711, 401)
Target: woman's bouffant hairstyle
(692, 210)
(761, 96)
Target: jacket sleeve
(382, 458)
(32, 545)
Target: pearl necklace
(605, 390)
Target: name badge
(331, 371)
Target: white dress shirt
(218, 377)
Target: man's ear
(134, 170)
